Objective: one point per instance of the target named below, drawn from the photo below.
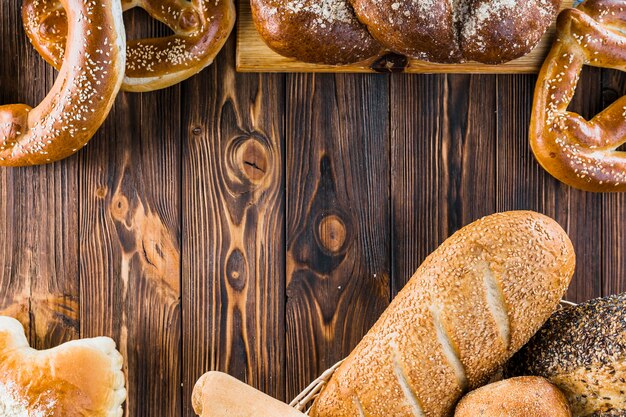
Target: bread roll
(82, 378)
(472, 304)
(582, 350)
(220, 395)
(525, 396)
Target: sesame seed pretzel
(582, 153)
(201, 27)
(88, 82)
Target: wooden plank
(253, 55)
(522, 184)
(38, 205)
(443, 161)
(130, 240)
(614, 206)
(233, 240)
(337, 217)
(584, 224)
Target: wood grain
(522, 184)
(130, 240)
(337, 217)
(259, 224)
(253, 55)
(443, 162)
(38, 206)
(585, 210)
(233, 227)
(614, 206)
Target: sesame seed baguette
(469, 307)
(582, 350)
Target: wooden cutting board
(253, 55)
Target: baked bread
(582, 350)
(445, 31)
(525, 396)
(474, 302)
(200, 30)
(220, 395)
(82, 378)
(82, 95)
(318, 31)
(582, 153)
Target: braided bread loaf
(446, 31)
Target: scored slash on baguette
(469, 307)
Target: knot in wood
(101, 192)
(119, 208)
(332, 233)
(253, 160)
(236, 270)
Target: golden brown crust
(472, 304)
(201, 27)
(77, 379)
(220, 395)
(82, 95)
(578, 152)
(447, 31)
(515, 397)
(319, 31)
(423, 29)
(497, 31)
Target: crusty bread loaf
(582, 350)
(82, 378)
(346, 31)
(473, 303)
(524, 396)
(325, 32)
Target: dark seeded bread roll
(318, 31)
(525, 396)
(582, 350)
(473, 303)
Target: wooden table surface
(260, 223)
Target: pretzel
(201, 27)
(84, 91)
(578, 152)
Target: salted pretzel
(201, 27)
(582, 153)
(85, 89)
(82, 378)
